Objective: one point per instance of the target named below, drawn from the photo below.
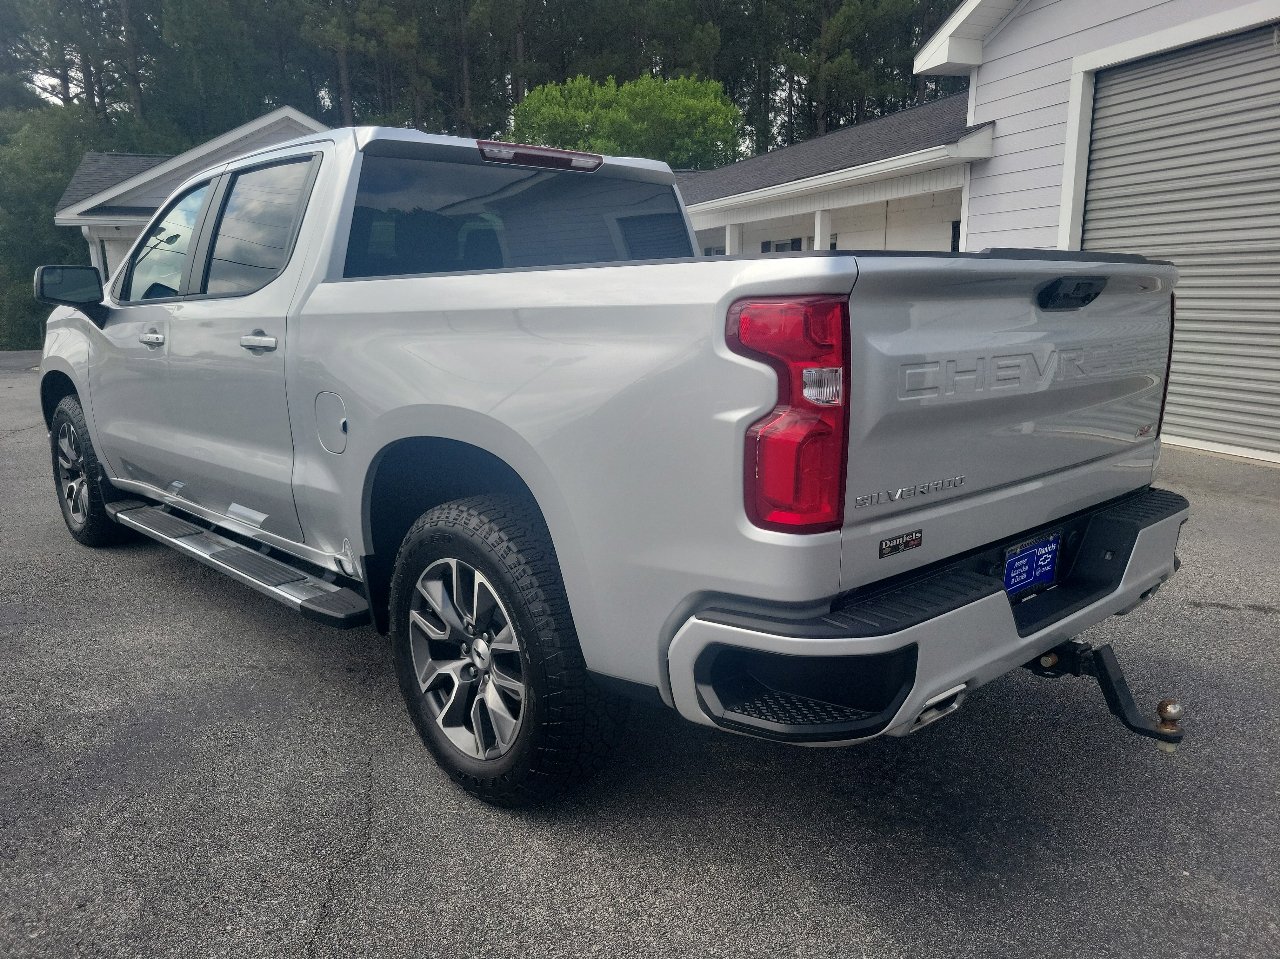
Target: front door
(128, 376)
(231, 444)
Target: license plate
(1031, 564)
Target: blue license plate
(1031, 564)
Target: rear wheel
(486, 653)
(79, 478)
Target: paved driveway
(186, 768)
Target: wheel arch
(55, 385)
(413, 474)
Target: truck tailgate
(991, 394)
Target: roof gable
(932, 124)
(143, 191)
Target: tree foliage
(163, 75)
(689, 123)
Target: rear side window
(256, 229)
(428, 216)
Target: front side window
(159, 265)
(256, 230)
(415, 216)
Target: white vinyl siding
(1023, 85)
(1184, 164)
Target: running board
(315, 598)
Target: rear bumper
(902, 656)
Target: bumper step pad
(791, 709)
(314, 597)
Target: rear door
(232, 445)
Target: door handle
(151, 338)
(257, 340)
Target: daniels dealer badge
(898, 544)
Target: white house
(892, 183)
(1148, 126)
(111, 196)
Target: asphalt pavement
(189, 769)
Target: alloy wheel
(466, 655)
(72, 482)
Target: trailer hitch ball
(1075, 657)
(1170, 713)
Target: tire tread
(99, 528)
(580, 721)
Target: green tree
(39, 150)
(689, 123)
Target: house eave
(956, 48)
(972, 146)
(954, 56)
(83, 221)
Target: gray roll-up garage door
(1184, 165)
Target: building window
(955, 236)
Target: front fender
(67, 349)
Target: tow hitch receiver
(1077, 658)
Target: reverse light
(795, 458)
(497, 152)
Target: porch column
(732, 239)
(822, 229)
(95, 250)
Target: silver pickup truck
(486, 397)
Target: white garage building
(1119, 125)
(1127, 125)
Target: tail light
(794, 469)
(1168, 363)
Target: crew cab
(485, 397)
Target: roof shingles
(99, 171)
(932, 124)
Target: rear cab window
(420, 216)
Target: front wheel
(79, 478)
(487, 656)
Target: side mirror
(78, 286)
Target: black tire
(564, 724)
(78, 478)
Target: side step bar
(314, 597)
